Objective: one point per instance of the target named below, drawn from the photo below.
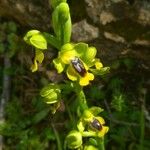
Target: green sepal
(87, 115)
(81, 49)
(101, 71)
(95, 110)
(39, 41)
(29, 34)
(55, 23)
(63, 12)
(62, 23)
(67, 29)
(90, 55)
(35, 38)
(66, 47)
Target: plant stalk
(81, 98)
(101, 143)
(59, 146)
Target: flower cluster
(89, 125)
(79, 62)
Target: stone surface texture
(118, 28)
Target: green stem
(101, 143)
(81, 98)
(57, 138)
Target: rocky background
(118, 28)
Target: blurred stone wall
(118, 28)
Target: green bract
(51, 93)
(62, 23)
(84, 58)
(74, 139)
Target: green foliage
(21, 127)
(8, 38)
(118, 101)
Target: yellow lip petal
(39, 56)
(85, 80)
(71, 74)
(103, 131)
(34, 66)
(90, 76)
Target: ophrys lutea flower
(92, 125)
(77, 61)
(36, 39)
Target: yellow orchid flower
(78, 70)
(78, 60)
(97, 125)
(91, 124)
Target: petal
(39, 41)
(66, 56)
(72, 75)
(85, 80)
(95, 110)
(90, 76)
(89, 55)
(81, 125)
(87, 116)
(98, 64)
(66, 47)
(34, 66)
(58, 65)
(103, 131)
(81, 49)
(39, 56)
